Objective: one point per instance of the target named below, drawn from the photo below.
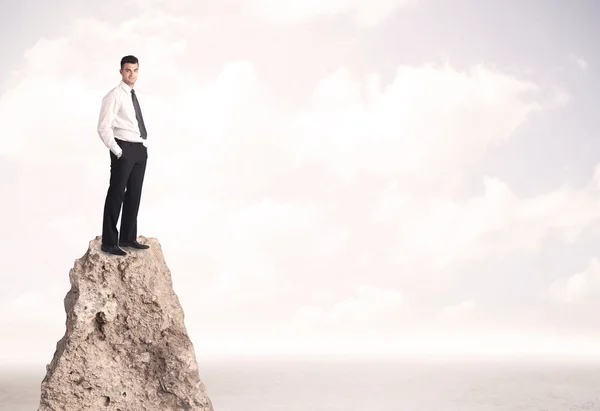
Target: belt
(119, 141)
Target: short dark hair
(129, 59)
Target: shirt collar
(125, 86)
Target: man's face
(129, 73)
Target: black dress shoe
(133, 244)
(112, 249)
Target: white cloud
(438, 231)
(259, 203)
(582, 287)
(371, 309)
(27, 319)
(580, 61)
(427, 121)
(52, 103)
(366, 12)
(559, 99)
(457, 312)
(391, 202)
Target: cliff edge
(125, 347)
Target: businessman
(121, 128)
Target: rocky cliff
(125, 347)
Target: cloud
(262, 201)
(559, 98)
(438, 232)
(370, 310)
(64, 79)
(28, 318)
(367, 13)
(583, 287)
(580, 61)
(569, 304)
(427, 121)
(457, 312)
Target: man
(121, 128)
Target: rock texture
(125, 347)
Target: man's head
(129, 70)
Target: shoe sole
(136, 248)
(108, 252)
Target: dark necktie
(138, 114)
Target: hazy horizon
(335, 177)
(377, 386)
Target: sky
(324, 177)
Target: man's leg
(131, 203)
(120, 169)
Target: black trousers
(125, 189)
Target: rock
(126, 346)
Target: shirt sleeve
(108, 111)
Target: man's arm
(108, 111)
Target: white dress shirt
(117, 119)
